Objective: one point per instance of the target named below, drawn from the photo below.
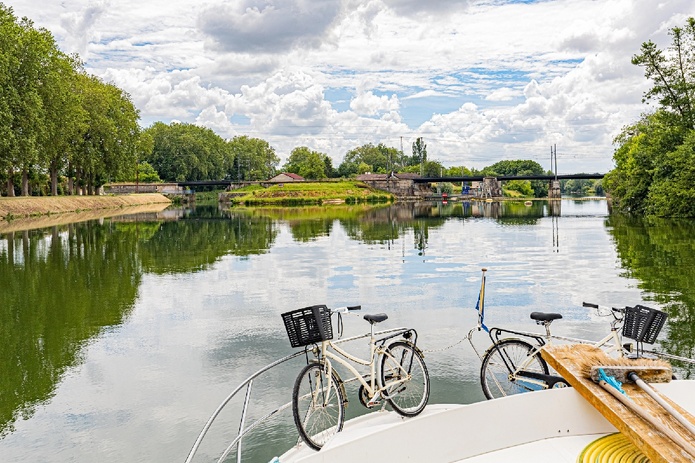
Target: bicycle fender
(415, 348)
(494, 344)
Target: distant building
(285, 177)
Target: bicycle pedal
(373, 403)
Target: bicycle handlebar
(346, 309)
(613, 310)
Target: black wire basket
(643, 324)
(308, 325)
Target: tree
(672, 74)
(642, 148)
(380, 159)
(432, 169)
(518, 168)
(254, 159)
(183, 152)
(307, 163)
(24, 50)
(419, 152)
(108, 146)
(65, 117)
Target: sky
(479, 80)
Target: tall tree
(25, 49)
(672, 73)
(65, 116)
(108, 146)
(254, 158)
(651, 174)
(419, 152)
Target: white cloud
(480, 80)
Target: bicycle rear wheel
(502, 360)
(318, 407)
(404, 378)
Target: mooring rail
(248, 384)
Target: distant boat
(528, 203)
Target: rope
(430, 351)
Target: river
(120, 336)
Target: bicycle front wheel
(404, 378)
(318, 405)
(501, 362)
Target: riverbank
(33, 206)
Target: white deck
(549, 426)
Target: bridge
(414, 186)
(480, 178)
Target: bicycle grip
(589, 304)
(355, 307)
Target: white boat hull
(549, 426)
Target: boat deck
(550, 426)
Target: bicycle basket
(643, 324)
(308, 325)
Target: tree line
(655, 156)
(57, 120)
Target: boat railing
(247, 386)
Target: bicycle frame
(611, 343)
(543, 381)
(377, 348)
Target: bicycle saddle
(376, 318)
(545, 317)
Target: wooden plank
(574, 364)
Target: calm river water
(121, 336)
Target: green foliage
(672, 193)
(522, 186)
(55, 118)
(641, 160)
(653, 173)
(432, 169)
(253, 159)
(672, 74)
(309, 164)
(419, 152)
(379, 159)
(520, 167)
(188, 152)
(147, 174)
(577, 186)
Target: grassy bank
(32, 206)
(308, 193)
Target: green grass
(310, 193)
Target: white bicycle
(397, 372)
(513, 363)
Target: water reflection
(60, 288)
(190, 298)
(660, 254)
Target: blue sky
(480, 80)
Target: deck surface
(571, 364)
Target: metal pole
(243, 418)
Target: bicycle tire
(407, 398)
(496, 377)
(318, 410)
